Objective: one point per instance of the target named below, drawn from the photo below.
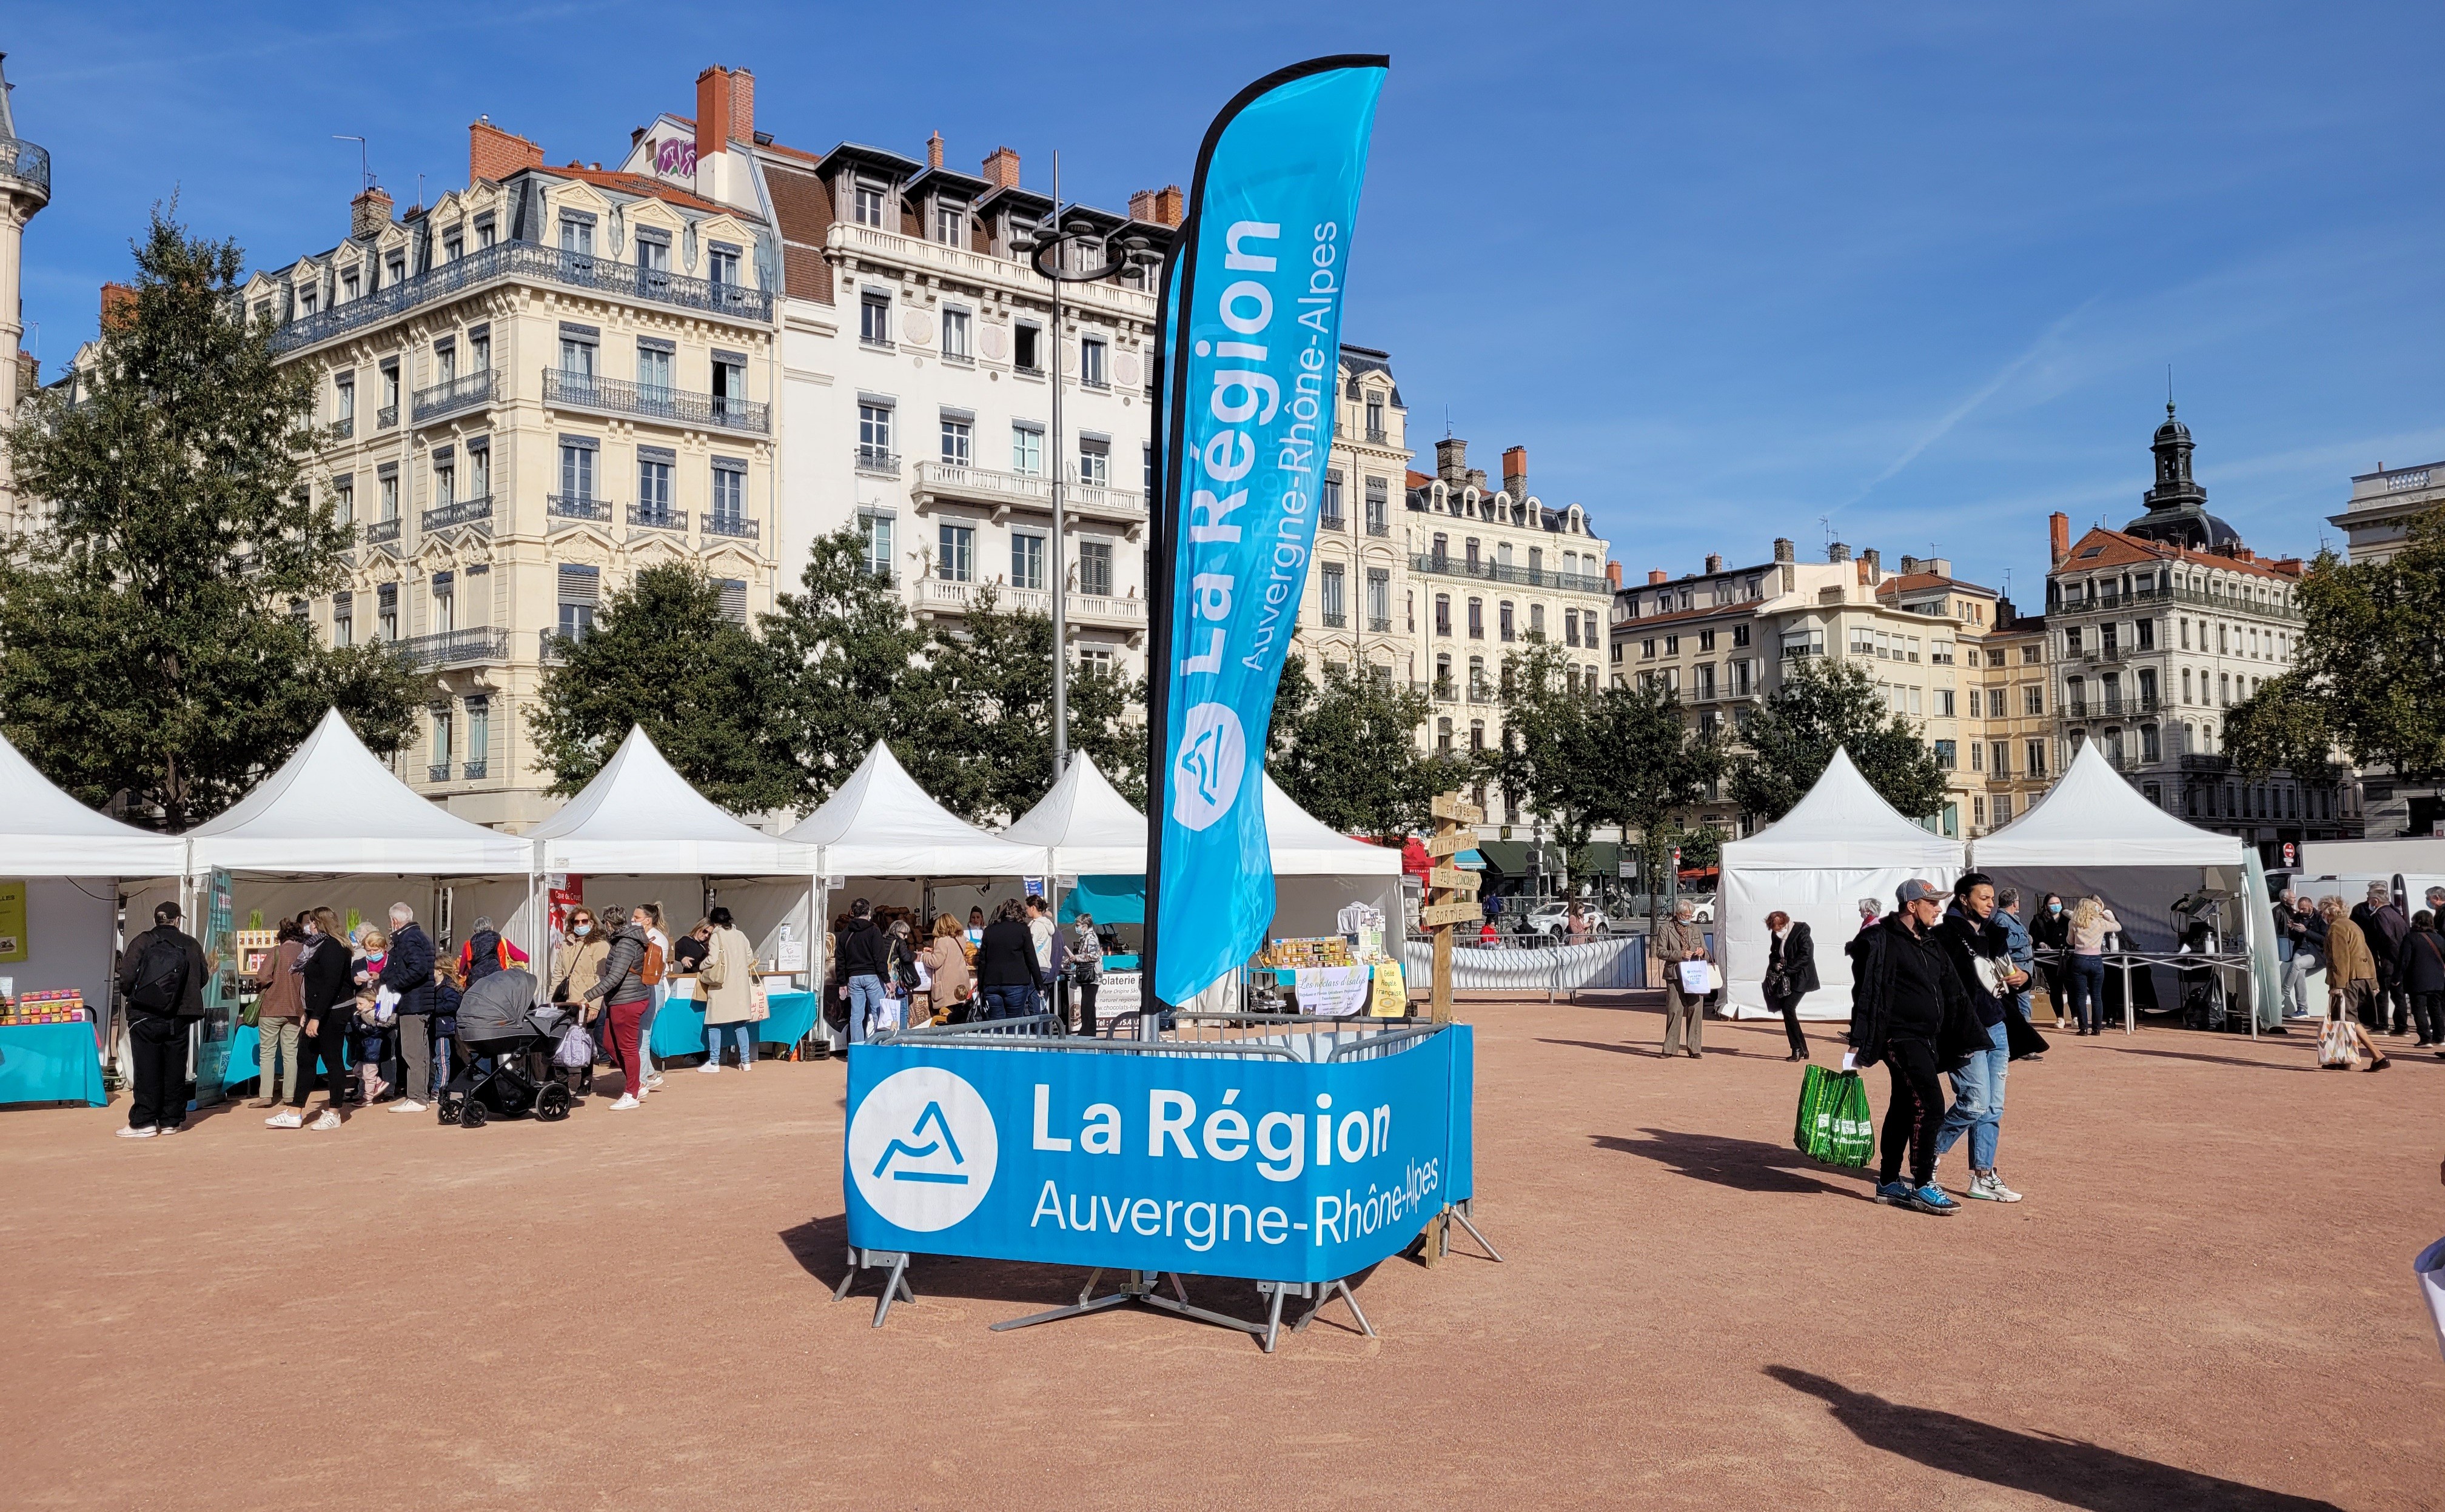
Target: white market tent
(1840, 843)
(71, 859)
(2095, 833)
(881, 824)
(1084, 826)
(639, 817)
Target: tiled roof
(638, 184)
(1702, 611)
(1920, 581)
(2104, 547)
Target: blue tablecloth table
(678, 1024)
(50, 1063)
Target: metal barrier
(1032, 1026)
(1391, 1042)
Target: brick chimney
(118, 307)
(494, 154)
(1714, 562)
(1001, 168)
(725, 109)
(1514, 472)
(1656, 576)
(1169, 205)
(1452, 461)
(1783, 551)
(1477, 479)
(1837, 552)
(1142, 205)
(1874, 563)
(934, 150)
(1613, 575)
(2059, 536)
(369, 213)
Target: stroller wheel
(449, 1109)
(470, 1114)
(552, 1103)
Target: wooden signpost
(1452, 900)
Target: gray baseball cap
(1915, 889)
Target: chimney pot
(369, 211)
(2059, 536)
(712, 112)
(1142, 206)
(1613, 575)
(1452, 461)
(1001, 168)
(1783, 550)
(1837, 552)
(1714, 562)
(1169, 205)
(934, 150)
(118, 307)
(1514, 472)
(1477, 479)
(1656, 576)
(494, 154)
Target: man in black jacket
(1980, 948)
(2384, 923)
(1008, 980)
(861, 967)
(161, 981)
(1908, 1010)
(408, 970)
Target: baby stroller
(498, 1022)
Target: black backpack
(160, 974)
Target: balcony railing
(25, 163)
(466, 391)
(1333, 522)
(577, 507)
(1445, 692)
(1526, 576)
(2151, 598)
(438, 774)
(381, 531)
(473, 770)
(1379, 624)
(877, 461)
(343, 428)
(947, 596)
(1375, 435)
(459, 511)
(2207, 763)
(676, 407)
(1379, 528)
(736, 526)
(549, 646)
(533, 264)
(1335, 620)
(386, 416)
(657, 517)
(455, 648)
(1025, 490)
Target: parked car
(1553, 920)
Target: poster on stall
(220, 1026)
(12, 919)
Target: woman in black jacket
(330, 993)
(2421, 968)
(1008, 979)
(2049, 939)
(1790, 975)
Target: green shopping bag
(1835, 1125)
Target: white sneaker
(749, 1064)
(286, 1118)
(710, 1068)
(625, 1101)
(167, 1129)
(1989, 1186)
(653, 1081)
(407, 1105)
(145, 1133)
(329, 1120)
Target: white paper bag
(1693, 978)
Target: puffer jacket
(621, 977)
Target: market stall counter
(57, 1063)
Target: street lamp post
(1044, 243)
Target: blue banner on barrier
(1266, 1168)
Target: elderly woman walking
(2351, 970)
(729, 978)
(1685, 1012)
(280, 1019)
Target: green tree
(1820, 707)
(1653, 764)
(1346, 750)
(1551, 755)
(664, 656)
(849, 663)
(145, 640)
(982, 725)
(2370, 673)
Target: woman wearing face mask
(2051, 932)
(324, 994)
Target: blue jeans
(1009, 1002)
(715, 1033)
(865, 999)
(1978, 1101)
(2086, 978)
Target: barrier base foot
(1142, 1287)
(1459, 1214)
(1325, 1295)
(895, 1283)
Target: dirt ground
(2206, 1301)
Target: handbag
(715, 971)
(576, 1049)
(1834, 1126)
(2344, 1045)
(757, 1009)
(1993, 975)
(1694, 977)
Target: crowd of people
(1021, 964)
(2386, 967)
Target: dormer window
(485, 234)
(395, 268)
(306, 300)
(950, 224)
(867, 204)
(349, 287)
(1375, 418)
(454, 247)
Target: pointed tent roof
(639, 816)
(1303, 846)
(332, 808)
(45, 832)
(880, 822)
(1087, 827)
(1844, 824)
(2094, 817)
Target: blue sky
(1729, 272)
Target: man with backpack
(161, 981)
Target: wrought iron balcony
(343, 428)
(1379, 624)
(550, 646)
(878, 462)
(658, 517)
(29, 166)
(473, 770)
(381, 531)
(676, 407)
(467, 391)
(1375, 435)
(1444, 693)
(438, 774)
(386, 416)
(454, 649)
(459, 511)
(1335, 620)
(531, 263)
(1335, 521)
(2207, 763)
(577, 507)
(736, 526)
(1378, 528)
(1526, 576)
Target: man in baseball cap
(1903, 988)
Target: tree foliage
(664, 656)
(846, 665)
(1346, 750)
(145, 643)
(1655, 764)
(1551, 755)
(2370, 673)
(981, 729)
(1823, 706)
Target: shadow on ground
(2066, 1470)
(1742, 1165)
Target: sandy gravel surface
(2205, 1302)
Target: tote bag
(1695, 978)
